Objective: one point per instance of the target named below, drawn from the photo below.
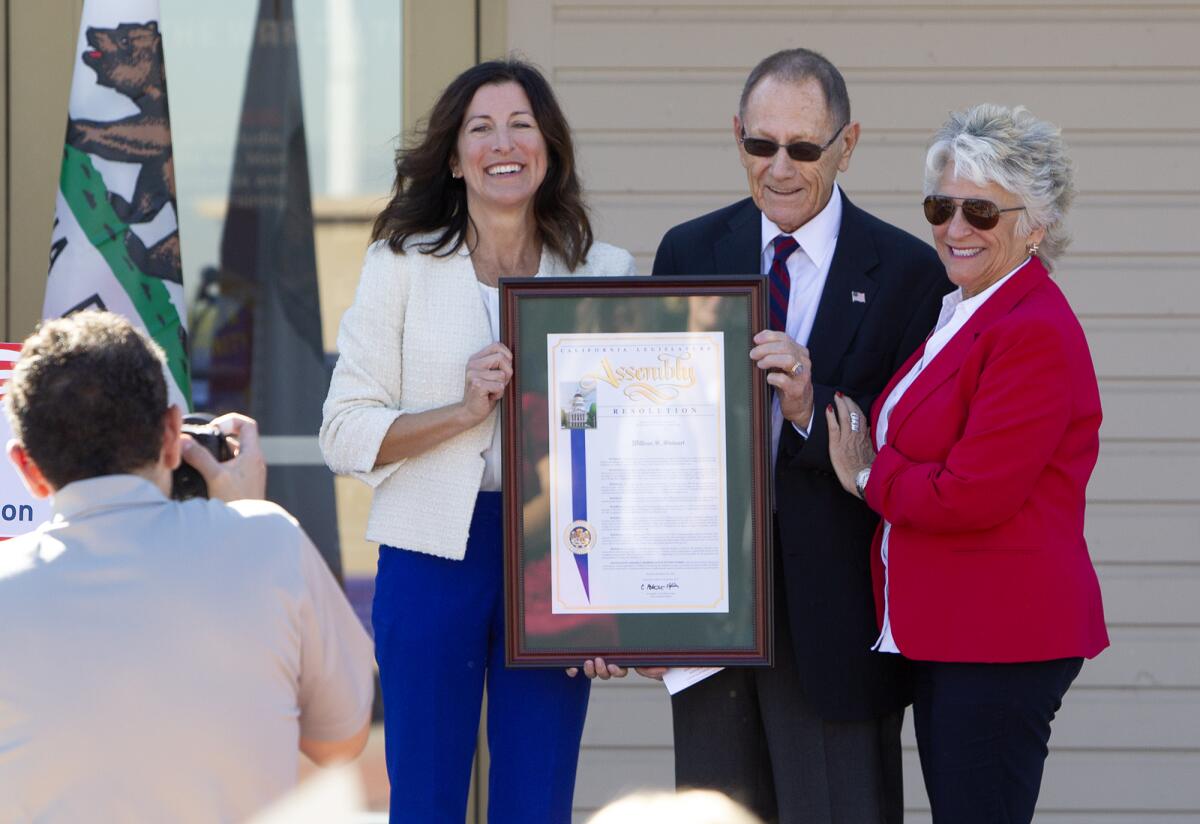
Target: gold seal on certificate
(580, 537)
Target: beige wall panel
(643, 261)
(439, 42)
(41, 42)
(531, 31)
(1099, 781)
(689, 99)
(635, 714)
(1097, 284)
(1134, 410)
(1164, 780)
(341, 242)
(628, 712)
(1145, 348)
(876, 11)
(664, 161)
(1143, 532)
(1129, 8)
(1130, 284)
(1149, 472)
(1165, 224)
(1142, 224)
(623, 36)
(894, 160)
(1089, 817)
(623, 723)
(1145, 595)
(1158, 660)
(1126, 724)
(1133, 712)
(1122, 719)
(353, 501)
(493, 29)
(887, 160)
(607, 773)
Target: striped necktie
(781, 281)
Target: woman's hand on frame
(488, 372)
(598, 668)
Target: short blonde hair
(687, 807)
(990, 143)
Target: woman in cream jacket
(490, 191)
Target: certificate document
(637, 472)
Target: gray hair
(989, 143)
(796, 66)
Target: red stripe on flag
(7, 362)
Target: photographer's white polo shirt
(159, 661)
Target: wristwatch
(860, 482)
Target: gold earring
(1031, 249)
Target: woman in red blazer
(977, 458)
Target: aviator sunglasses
(803, 151)
(982, 214)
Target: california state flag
(115, 244)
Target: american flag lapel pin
(858, 297)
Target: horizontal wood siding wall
(650, 89)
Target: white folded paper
(680, 678)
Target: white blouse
(954, 316)
(491, 455)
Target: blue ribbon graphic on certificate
(639, 514)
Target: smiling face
(501, 154)
(977, 258)
(791, 192)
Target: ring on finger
(855, 421)
(796, 369)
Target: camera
(186, 482)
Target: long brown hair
(427, 200)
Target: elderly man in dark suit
(816, 738)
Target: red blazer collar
(950, 359)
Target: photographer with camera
(162, 660)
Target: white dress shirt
(179, 648)
(954, 316)
(808, 268)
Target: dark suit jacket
(856, 346)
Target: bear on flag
(115, 243)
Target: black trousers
(983, 732)
(748, 733)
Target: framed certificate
(635, 451)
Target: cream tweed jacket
(404, 346)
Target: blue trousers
(983, 733)
(439, 636)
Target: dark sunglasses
(803, 151)
(982, 214)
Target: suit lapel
(948, 361)
(847, 294)
(739, 251)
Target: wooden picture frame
(706, 325)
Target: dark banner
(257, 324)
